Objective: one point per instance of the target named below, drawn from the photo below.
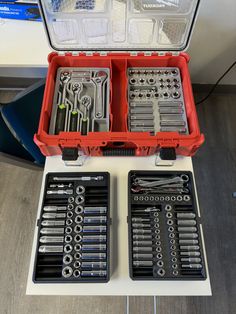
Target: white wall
(213, 44)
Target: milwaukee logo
(4, 9)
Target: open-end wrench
(74, 116)
(62, 108)
(86, 103)
(99, 79)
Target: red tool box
(119, 35)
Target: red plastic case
(118, 141)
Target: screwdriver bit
(51, 249)
(54, 208)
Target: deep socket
(188, 235)
(94, 273)
(189, 242)
(95, 210)
(186, 215)
(186, 222)
(142, 249)
(95, 219)
(94, 238)
(94, 247)
(145, 255)
(187, 229)
(95, 256)
(94, 265)
(91, 229)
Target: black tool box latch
(70, 153)
(168, 153)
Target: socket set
(164, 227)
(156, 102)
(73, 229)
(81, 101)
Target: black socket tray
(156, 247)
(78, 251)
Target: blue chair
(19, 122)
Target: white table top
(23, 43)
(120, 282)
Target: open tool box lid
(119, 25)
(118, 34)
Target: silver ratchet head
(100, 76)
(65, 77)
(86, 100)
(77, 88)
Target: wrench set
(156, 102)
(81, 101)
(73, 236)
(164, 231)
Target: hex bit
(51, 249)
(190, 253)
(53, 215)
(52, 231)
(54, 208)
(60, 192)
(142, 263)
(192, 266)
(140, 219)
(142, 237)
(53, 239)
(141, 231)
(190, 247)
(191, 259)
(140, 225)
(140, 243)
(48, 223)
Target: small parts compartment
(164, 229)
(73, 237)
(111, 133)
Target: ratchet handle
(74, 121)
(60, 119)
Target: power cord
(215, 85)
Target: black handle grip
(60, 119)
(74, 121)
(84, 127)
